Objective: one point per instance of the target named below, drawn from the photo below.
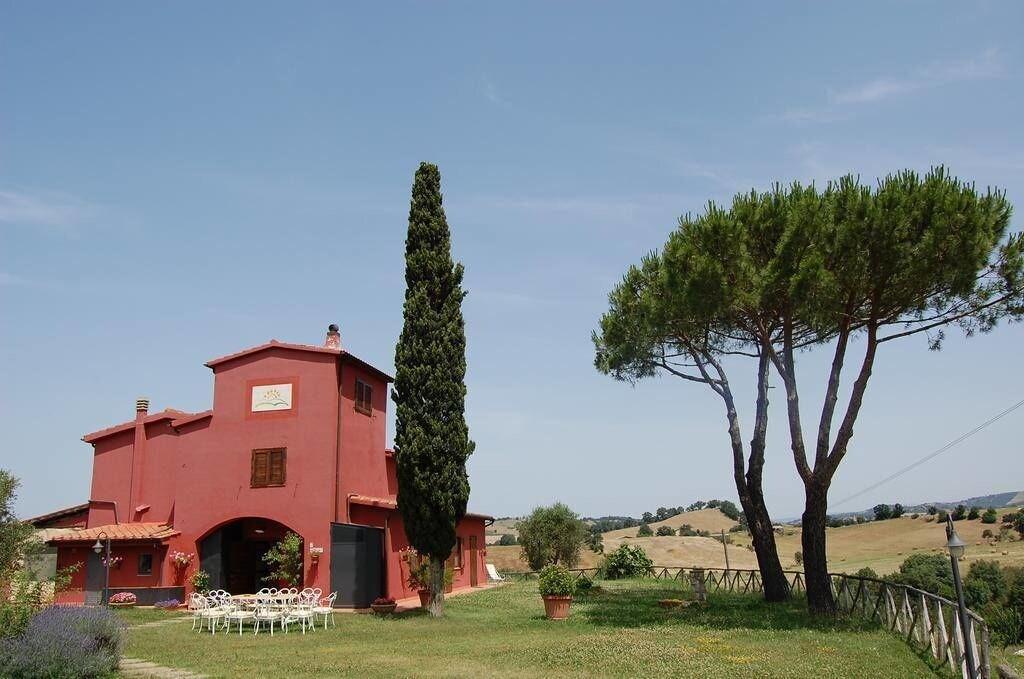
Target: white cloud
(842, 103)
(40, 209)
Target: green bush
(1006, 625)
(628, 561)
(556, 580)
(985, 582)
(285, 560)
(960, 513)
(867, 572)
(644, 531)
(552, 535)
(973, 514)
(200, 581)
(584, 584)
(989, 516)
(507, 540)
(665, 531)
(730, 510)
(928, 572)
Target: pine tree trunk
(436, 607)
(819, 585)
(762, 535)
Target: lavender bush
(64, 642)
(169, 604)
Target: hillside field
(881, 545)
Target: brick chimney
(138, 458)
(333, 337)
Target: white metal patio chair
(196, 605)
(266, 612)
(325, 607)
(301, 612)
(238, 614)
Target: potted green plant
(419, 574)
(285, 561)
(200, 581)
(383, 605)
(556, 587)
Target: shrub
(941, 516)
(64, 642)
(985, 582)
(987, 533)
(960, 513)
(686, 530)
(730, 510)
(200, 581)
(628, 561)
(584, 583)
(552, 535)
(665, 531)
(914, 515)
(928, 572)
(989, 516)
(973, 514)
(556, 580)
(933, 510)
(882, 512)
(897, 510)
(595, 540)
(645, 531)
(167, 604)
(1006, 625)
(507, 540)
(285, 560)
(867, 572)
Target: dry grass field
(710, 520)
(881, 545)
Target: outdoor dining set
(218, 609)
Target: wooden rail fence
(927, 622)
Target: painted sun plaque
(269, 397)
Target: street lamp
(956, 548)
(98, 548)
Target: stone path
(133, 667)
(137, 668)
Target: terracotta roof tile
(165, 414)
(270, 345)
(60, 513)
(120, 532)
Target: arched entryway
(233, 554)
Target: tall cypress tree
(431, 437)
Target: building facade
(295, 441)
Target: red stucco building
(295, 441)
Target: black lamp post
(98, 548)
(956, 548)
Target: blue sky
(179, 181)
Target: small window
(364, 397)
(145, 564)
(268, 467)
(456, 558)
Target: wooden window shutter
(260, 468)
(277, 468)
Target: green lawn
(618, 632)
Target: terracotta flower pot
(424, 597)
(557, 607)
(383, 609)
(123, 604)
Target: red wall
(198, 478)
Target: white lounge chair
(493, 575)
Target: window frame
(268, 476)
(364, 397)
(138, 565)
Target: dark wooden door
(357, 564)
(472, 560)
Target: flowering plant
(169, 604)
(113, 561)
(182, 559)
(123, 598)
(383, 601)
(419, 568)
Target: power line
(954, 442)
